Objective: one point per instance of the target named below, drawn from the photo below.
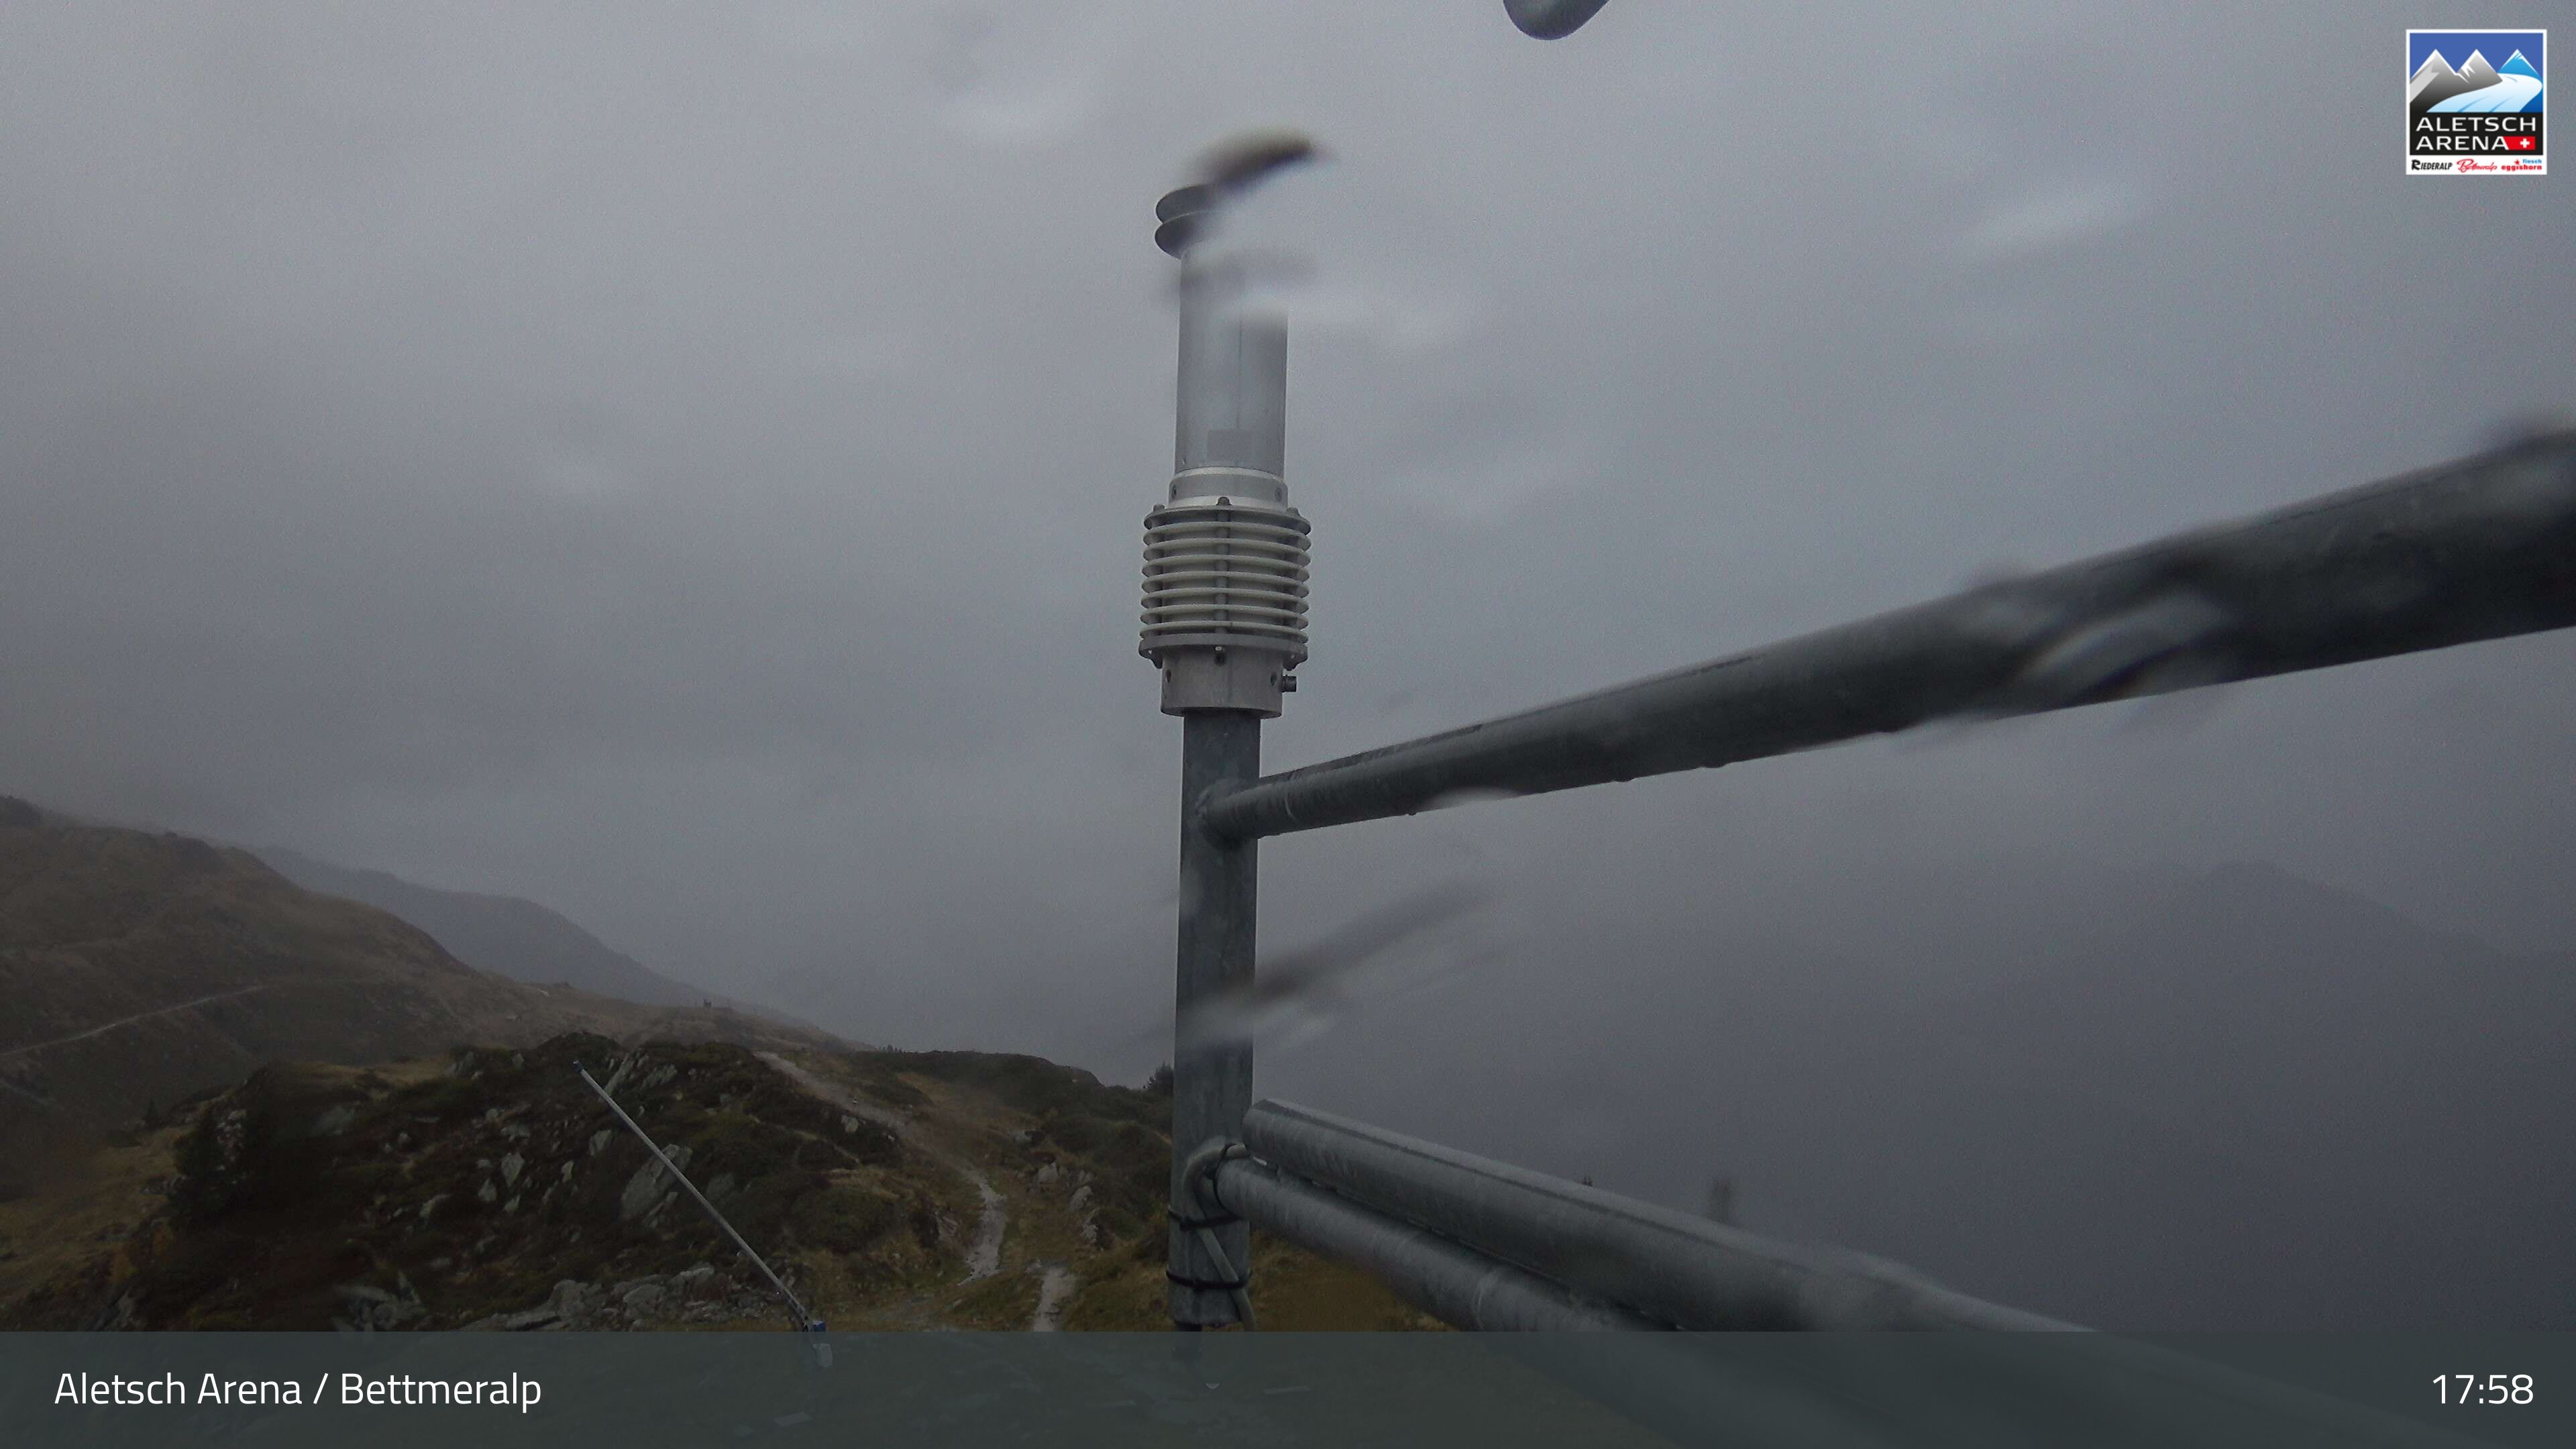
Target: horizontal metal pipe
(2477, 549)
(1684, 1386)
(1665, 1265)
(1442, 1279)
(1727, 1388)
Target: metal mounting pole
(1225, 616)
(1211, 1072)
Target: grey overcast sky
(684, 463)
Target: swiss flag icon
(2521, 143)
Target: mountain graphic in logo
(2468, 115)
(2477, 86)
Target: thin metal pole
(804, 1320)
(1211, 1071)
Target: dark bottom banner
(634, 1390)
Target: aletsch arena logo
(2473, 102)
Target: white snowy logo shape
(2476, 86)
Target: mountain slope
(504, 935)
(251, 1114)
(138, 968)
(493, 1190)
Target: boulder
(576, 1302)
(519, 1322)
(644, 1191)
(394, 1315)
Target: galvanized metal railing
(2472, 550)
(1645, 1264)
(2481, 548)
(2477, 549)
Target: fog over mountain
(684, 468)
(2225, 1098)
(141, 970)
(501, 934)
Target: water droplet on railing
(2162, 643)
(1470, 795)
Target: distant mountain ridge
(504, 935)
(139, 968)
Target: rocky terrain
(231, 1102)
(493, 1190)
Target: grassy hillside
(139, 968)
(235, 1103)
(493, 1190)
